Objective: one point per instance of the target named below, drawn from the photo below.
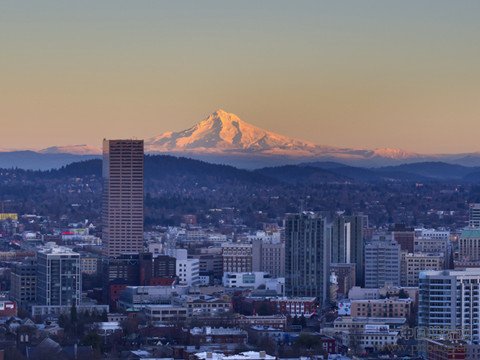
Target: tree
(354, 342)
(94, 340)
(402, 294)
(130, 326)
(73, 314)
(302, 321)
(306, 341)
(267, 344)
(264, 309)
(62, 321)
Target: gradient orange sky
(361, 74)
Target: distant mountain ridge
(32, 160)
(422, 171)
(73, 149)
(171, 167)
(224, 138)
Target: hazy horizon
(352, 74)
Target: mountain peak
(226, 118)
(223, 114)
(223, 131)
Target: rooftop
(466, 272)
(57, 250)
(370, 320)
(108, 325)
(216, 331)
(470, 233)
(242, 356)
(386, 300)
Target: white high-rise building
(187, 270)
(449, 302)
(59, 279)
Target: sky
(360, 74)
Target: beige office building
(122, 197)
(237, 257)
(412, 264)
(387, 308)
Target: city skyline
(368, 75)
(277, 180)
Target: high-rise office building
(413, 264)
(340, 234)
(59, 279)
(307, 256)
(122, 215)
(382, 264)
(469, 244)
(237, 257)
(434, 244)
(164, 266)
(23, 283)
(211, 265)
(268, 256)
(449, 302)
(358, 223)
(405, 237)
(474, 215)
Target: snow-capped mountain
(223, 137)
(225, 132)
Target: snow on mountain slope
(394, 153)
(224, 137)
(224, 132)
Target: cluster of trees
(306, 344)
(76, 324)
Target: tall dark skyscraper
(122, 197)
(307, 256)
(339, 232)
(357, 245)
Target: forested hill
(411, 194)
